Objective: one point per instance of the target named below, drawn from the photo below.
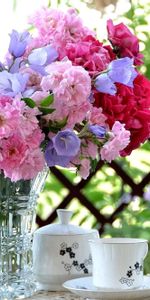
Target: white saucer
(83, 287)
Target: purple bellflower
(121, 71)
(41, 57)
(14, 65)
(18, 43)
(104, 84)
(66, 143)
(52, 158)
(12, 84)
(64, 146)
(97, 130)
(2, 67)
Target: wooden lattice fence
(76, 191)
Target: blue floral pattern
(128, 280)
(70, 252)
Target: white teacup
(118, 262)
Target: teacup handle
(145, 250)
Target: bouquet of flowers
(67, 99)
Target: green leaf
(61, 123)
(93, 164)
(29, 102)
(55, 126)
(44, 144)
(47, 101)
(46, 110)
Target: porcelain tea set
(66, 256)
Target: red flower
(131, 107)
(91, 54)
(124, 42)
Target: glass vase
(17, 219)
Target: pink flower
(92, 150)
(35, 139)
(70, 98)
(82, 160)
(58, 28)
(89, 53)
(4, 100)
(9, 116)
(125, 43)
(20, 140)
(46, 21)
(71, 88)
(83, 166)
(96, 116)
(16, 116)
(20, 158)
(119, 140)
(56, 72)
(88, 150)
(77, 113)
(73, 114)
(28, 120)
(13, 151)
(33, 163)
(67, 85)
(84, 170)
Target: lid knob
(64, 215)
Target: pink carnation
(67, 85)
(70, 98)
(28, 118)
(46, 21)
(96, 116)
(58, 28)
(33, 163)
(89, 53)
(16, 116)
(71, 87)
(77, 113)
(119, 140)
(4, 100)
(9, 115)
(19, 159)
(56, 72)
(20, 139)
(35, 139)
(124, 41)
(13, 151)
(74, 114)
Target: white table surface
(42, 295)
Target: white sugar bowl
(61, 252)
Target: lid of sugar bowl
(64, 227)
